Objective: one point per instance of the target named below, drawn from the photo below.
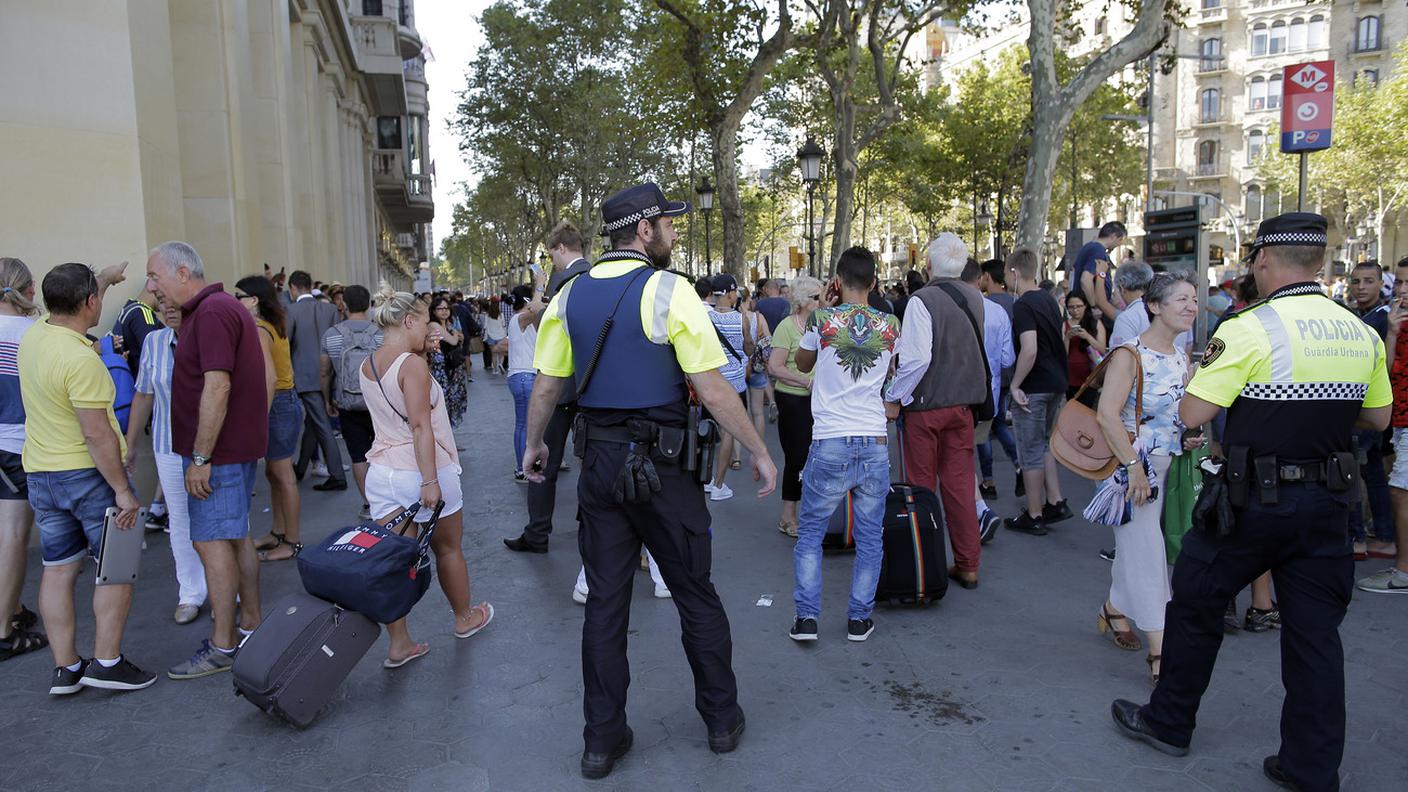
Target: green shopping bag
(1181, 487)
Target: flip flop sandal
(736, 465)
(787, 528)
(488, 611)
(25, 619)
(21, 642)
(264, 545)
(422, 651)
(297, 548)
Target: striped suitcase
(915, 568)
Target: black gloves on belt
(637, 480)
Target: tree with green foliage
(1056, 100)
(549, 104)
(705, 63)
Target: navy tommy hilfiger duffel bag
(374, 570)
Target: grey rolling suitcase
(295, 661)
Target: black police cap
(634, 204)
(1304, 229)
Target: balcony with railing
(402, 14)
(417, 91)
(406, 196)
(1215, 168)
(379, 57)
(1212, 12)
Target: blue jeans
(1003, 433)
(521, 386)
(70, 507)
(224, 515)
(835, 466)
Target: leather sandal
(1124, 639)
(269, 541)
(297, 548)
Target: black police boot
(725, 741)
(599, 765)
(1271, 766)
(1129, 721)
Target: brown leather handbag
(1078, 442)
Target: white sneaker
(1388, 581)
(721, 494)
(661, 592)
(709, 488)
(579, 595)
(319, 469)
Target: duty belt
(1312, 473)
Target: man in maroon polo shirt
(221, 388)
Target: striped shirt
(730, 324)
(154, 379)
(11, 405)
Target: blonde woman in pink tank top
(413, 458)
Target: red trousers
(938, 448)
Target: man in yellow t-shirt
(73, 454)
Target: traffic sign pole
(1304, 169)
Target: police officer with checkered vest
(1297, 373)
(638, 339)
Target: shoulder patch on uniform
(1214, 350)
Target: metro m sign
(1308, 106)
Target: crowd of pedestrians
(288, 370)
(215, 380)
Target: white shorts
(390, 491)
(1398, 477)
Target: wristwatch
(200, 461)
(1131, 463)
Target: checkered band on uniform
(1306, 391)
(633, 218)
(1308, 238)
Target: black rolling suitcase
(915, 567)
(295, 661)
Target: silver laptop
(120, 556)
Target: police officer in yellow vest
(637, 337)
(1297, 373)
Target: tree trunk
(727, 199)
(844, 155)
(1054, 104)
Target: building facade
(1227, 92)
(290, 133)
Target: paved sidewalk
(1003, 688)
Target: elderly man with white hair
(941, 379)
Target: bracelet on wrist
(425, 484)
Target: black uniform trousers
(674, 526)
(1304, 541)
(542, 498)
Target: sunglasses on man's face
(243, 296)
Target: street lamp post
(983, 219)
(705, 191)
(809, 157)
